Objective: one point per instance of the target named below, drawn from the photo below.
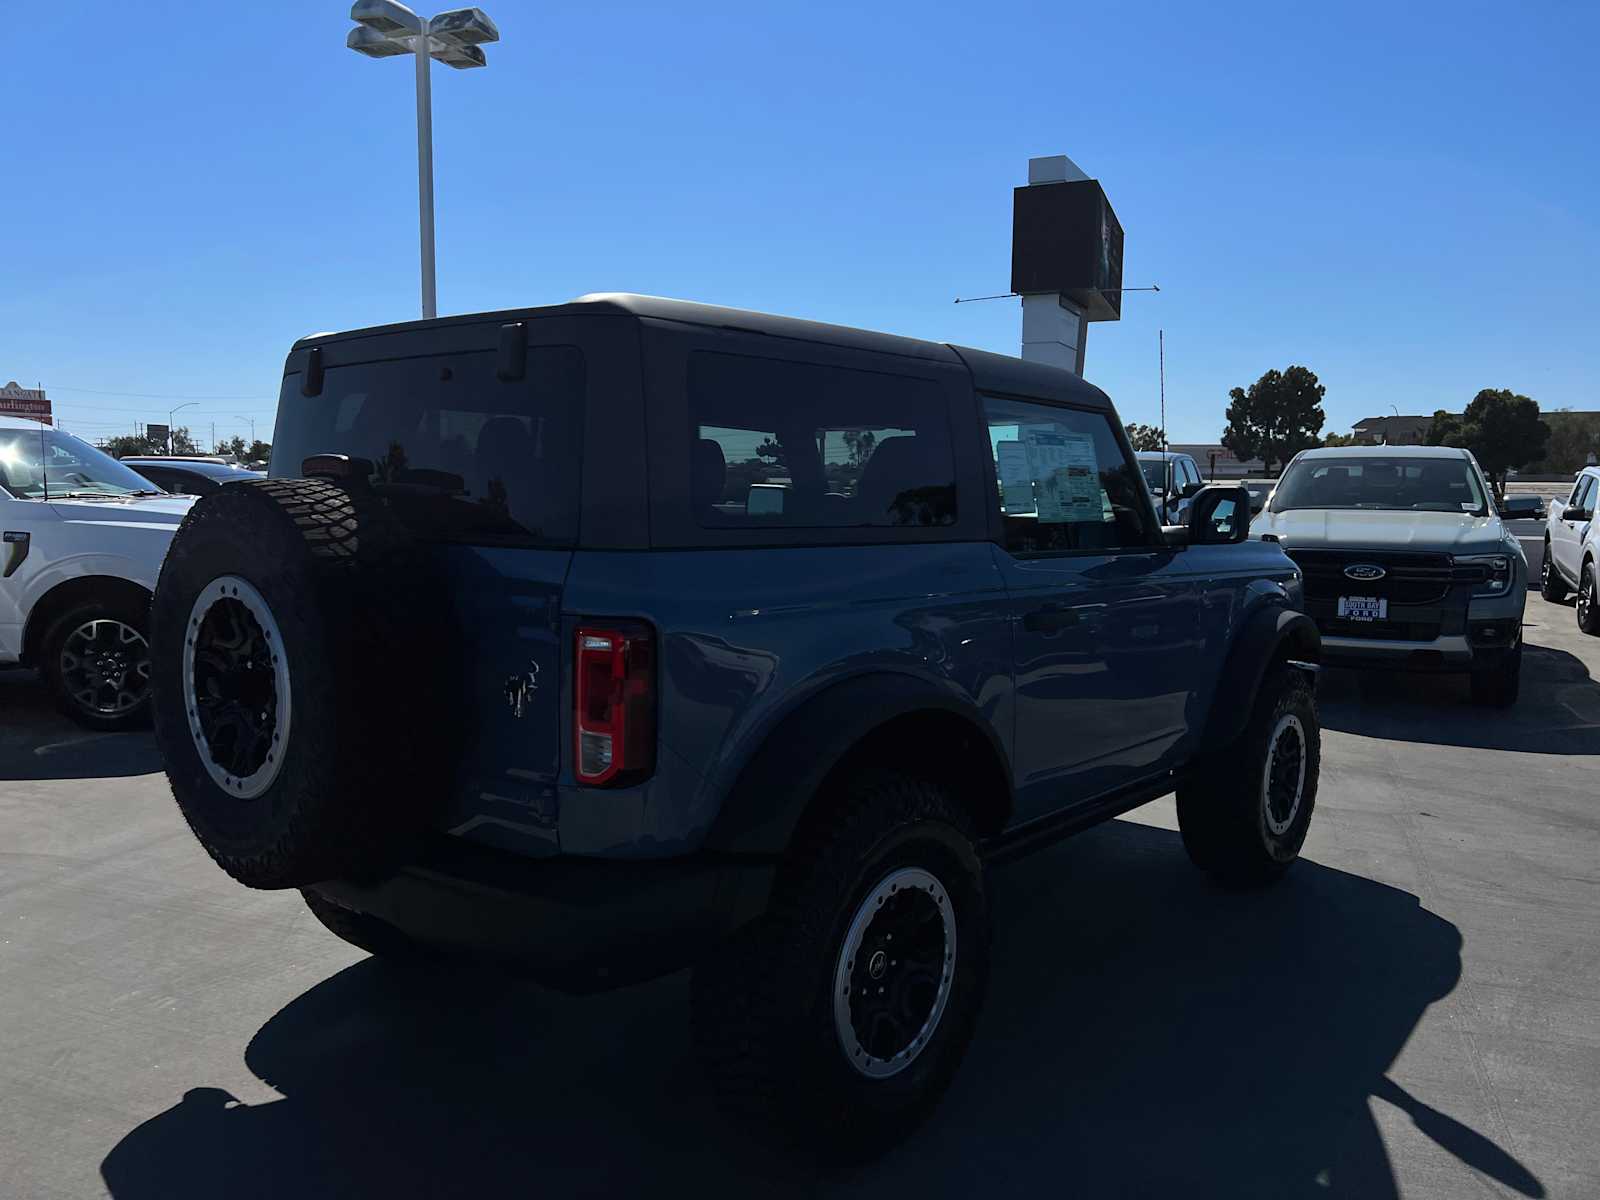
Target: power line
(61, 387)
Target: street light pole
(173, 413)
(385, 29)
(430, 299)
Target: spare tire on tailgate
(293, 689)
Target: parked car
(81, 543)
(521, 671)
(1571, 549)
(1522, 508)
(1173, 480)
(1260, 492)
(187, 476)
(1407, 564)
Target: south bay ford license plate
(1363, 608)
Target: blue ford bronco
(628, 634)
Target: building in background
(1218, 462)
(1392, 430)
(18, 401)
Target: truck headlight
(1497, 573)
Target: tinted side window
(460, 454)
(1586, 491)
(1064, 481)
(793, 445)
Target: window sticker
(1016, 485)
(1066, 472)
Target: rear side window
(461, 455)
(793, 445)
(1065, 483)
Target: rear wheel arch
(111, 590)
(883, 722)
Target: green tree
(123, 446)
(1145, 437)
(234, 446)
(1277, 417)
(1339, 439)
(1501, 428)
(1573, 438)
(259, 452)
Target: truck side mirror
(1219, 516)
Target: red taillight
(615, 698)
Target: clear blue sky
(1401, 197)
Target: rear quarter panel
(747, 636)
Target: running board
(1046, 831)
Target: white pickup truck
(81, 543)
(1572, 549)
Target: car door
(19, 561)
(1566, 536)
(1104, 631)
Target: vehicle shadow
(1146, 1034)
(1558, 711)
(38, 742)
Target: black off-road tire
(368, 745)
(365, 932)
(1551, 586)
(763, 1006)
(1226, 813)
(135, 617)
(1588, 607)
(1499, 686)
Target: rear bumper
(576, 923)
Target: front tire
(1245, 816)
(1551, 586)
(96, 662)
(815, 1019)
(1588, 606)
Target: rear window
(793, 445)
(462, 455)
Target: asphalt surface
(1415, 1011)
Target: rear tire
(95, 659)
(1245, 816)
(1588, 601)
(785, 1018)
(1499, 686)
(1551, 586)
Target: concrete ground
(1415, 1011)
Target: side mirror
(1219, 516)
(1578, 514)
(764, 500)
(1191, 489)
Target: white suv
(81, 543)
(1572, 548)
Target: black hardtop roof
(991, 372)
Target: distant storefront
(18, 401)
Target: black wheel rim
(1586, 596)
(893, 976)
(236, 698)
(1285, 775)
(1544, 570)
(105, 667)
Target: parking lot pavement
(1415, 1011)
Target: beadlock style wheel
(891, 982)
(236, 687)
(1283, 776)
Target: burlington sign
(18, 401)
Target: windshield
(1409, 484)
(1155, 473)
(36, 464)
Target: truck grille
(1412, 579)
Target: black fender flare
(1267, 634)
(776, 784)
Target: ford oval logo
(1364, 571)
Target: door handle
(1050, 619)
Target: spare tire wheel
(299, 736)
